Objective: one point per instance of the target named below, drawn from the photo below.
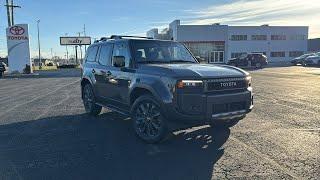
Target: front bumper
(210, 107)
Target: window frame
(272, 54)
(258, 37)
(279, 37)
(239, 37)
(128, 51)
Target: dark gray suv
(160, 83)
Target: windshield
(161, 52)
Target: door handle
(108, 73)
(93, 71)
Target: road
(45, 134)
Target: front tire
(148, 119)
(89, 101)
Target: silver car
(312, 60)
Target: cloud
(273, 12)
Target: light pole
(38, 21)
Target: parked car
(300, 59)
(159, 82)
(256, 60)
(3, 68)
(312, 60)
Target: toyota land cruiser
(158, 82)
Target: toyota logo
(17, 30)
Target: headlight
(248, 80)
(189, 83)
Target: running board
(113, 108)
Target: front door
(216, 57)
(120, 78)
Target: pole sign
(75, 41)
(19, 49)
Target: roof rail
(121, 37)
(101, 39)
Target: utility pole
(84, 33)
(76, 48)
(10, 12)
(67, 50)
(80, 49)
(38, 21)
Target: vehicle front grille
(225, 84)
(229, 107)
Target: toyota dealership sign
(18, 49)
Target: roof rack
(121, 37)
(101, 39)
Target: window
(264, 53)
(121, 49)
(295, 53)
(237, 54)
(259, 37)
(92, 53)
(160, 52)
(239, 37)
(105, 54)
(278, 54)
(203, 49)
(278, 37)
(298, 37)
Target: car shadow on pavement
(104, 147)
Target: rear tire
(148, 119)
(89, 101)
(258, 65)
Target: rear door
(90, 65)
(103, 72)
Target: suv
(256, 60)
(313, 60)
(160, 84)
(3, 68)
(300, 59)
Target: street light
(38, 21)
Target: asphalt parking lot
(44, 134)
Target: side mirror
(119, 61)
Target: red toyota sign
(17, 30)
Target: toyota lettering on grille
(228, 84)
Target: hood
(195, 70)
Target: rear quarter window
(92, 53)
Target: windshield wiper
(184, 61)
(147, 62)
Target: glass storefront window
(203, 49)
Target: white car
(312, 60)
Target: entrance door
(217, 57)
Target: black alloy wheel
(148, 121)
(89, 101)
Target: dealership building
(218, 43)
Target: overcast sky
(103, 18)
